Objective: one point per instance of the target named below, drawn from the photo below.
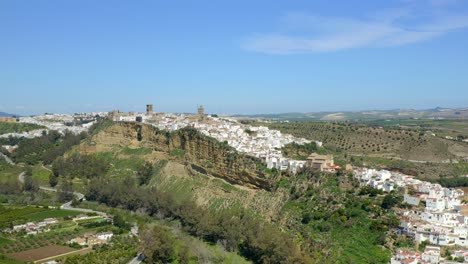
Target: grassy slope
(126, 161)
(8, 172)
(216, 194)
(41, 175)
(175, 178)
(337, 220)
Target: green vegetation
(136, 151)
(362, 139)
(56, 236)
(99, 125)
(300, 151)
(453, 182)
(177, 153)
(45, 148)
(4, 241)
(144, 173)
(83, 166)
(5, 260)
(399, 148)
(14, 215)
(41, 175)
(253, 238)
(445, 127)
(187, 216)
(6, 127)
(8, 172)
(350, 225)
(122, 250)
(52, 213)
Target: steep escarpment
(201, 153)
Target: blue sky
(232, 56)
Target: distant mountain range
(435, 113)
(3, 114)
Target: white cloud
(310, 33)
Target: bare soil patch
(40, 253)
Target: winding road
(7, 159)
(67, 205)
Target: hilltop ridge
(202, 153)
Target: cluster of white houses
(257, 141)
(33, 228)
(90, 239)
(440, 222)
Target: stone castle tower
(201, 112)
(149, 109)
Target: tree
(120, 222)
(139, 136)
(65, 192)
(389, 201)
(30, 185)
(157, 245)
(75, 202)
(144, 173)
(53, 180)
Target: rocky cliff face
(201, 153)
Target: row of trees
(237, 229)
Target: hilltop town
(257, 141)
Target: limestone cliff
(201, 153)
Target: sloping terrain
(376, 141)
(202, 153)
(205, 172)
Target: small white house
(431, 255)
(435, 204)
(105, 235)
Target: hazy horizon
(142, 110)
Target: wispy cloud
(305, 33)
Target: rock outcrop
(204, 154)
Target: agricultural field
(452, 128)
(360, 139)
(14, 215)
(121, 251)
(40, 253)
(53, 213)
(21, 243)
(4, 241)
